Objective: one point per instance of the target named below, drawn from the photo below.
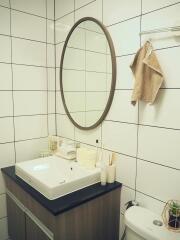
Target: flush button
(157, 223)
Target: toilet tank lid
(140, 220)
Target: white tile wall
(33, 6)
(120, 137)
(116, 134)
(163, 184)
(148, 6)
(5, 49)
(24, 149)
(4, 3)
(23, 26)
(116, 11)
(158, 145)
(38, 128)
(31, 78)
(5, 77)
(4, 21)
(6, 105)
(63, 7)
(28, 52)
(126, 36)
(24, 89)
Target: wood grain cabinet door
(33, 232)
(16, 220)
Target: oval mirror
(87, 73)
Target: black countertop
(66, 202)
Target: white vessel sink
(54, 177)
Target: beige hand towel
(148, 75)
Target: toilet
(142, 224)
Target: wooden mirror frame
(113, 81)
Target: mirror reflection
(87, 73)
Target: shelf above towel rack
(159, 30)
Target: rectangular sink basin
(54, 177)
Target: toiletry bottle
(103, 175)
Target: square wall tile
(125, 170)
(80, 3)
(63, 26)
(50, 9)
(88, 137)
(34, 102)
(5, 49)
(51, 79)
(51, 102)
(165, 111)
(29, 78)
(28, 127)
(59, 49)
(6, 104)
(50, 31)
(28, 26)
(3, 210)
(52, 124)
(148, 6)
(158, 181)
(124, 79)
(121, 109)
(116, 11)
(58, 79)
(6, 130)
(94, 9)
(159, 145)
(126, 37)
(7, 155)
(3, 229)
(64, 127)
(30, 149)
(160, 19)
(150, 203)
(169, 59)
(5, 77)
(120, 137)
(63, 7)
(4, 20)
(4, 3)
(33, 6)
(50, 55)
(28, 52)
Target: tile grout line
(55, 70)
(12, 76)
(28, 13)
(47, 80)
(138, 115)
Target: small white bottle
(103, 175)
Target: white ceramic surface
(55, 177)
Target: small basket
(171, 215)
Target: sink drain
(157, 223)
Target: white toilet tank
(140, 226)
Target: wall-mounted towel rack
(159, 30)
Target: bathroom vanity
(91, 213)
